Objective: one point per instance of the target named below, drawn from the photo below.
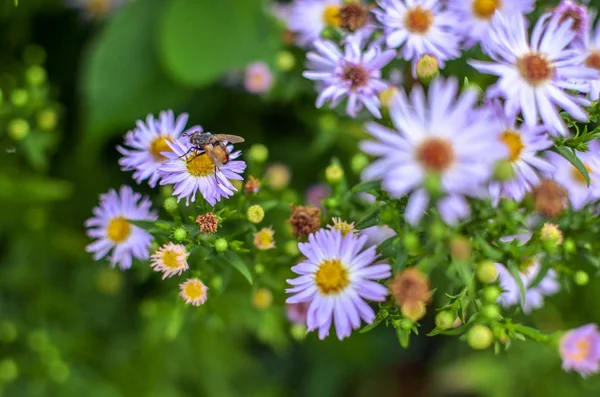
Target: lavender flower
(576, 14)
(147, 144)
(420, 27)
(441, 137)
(258, 78)
(336, 278)
(192, 172)
(114, 233)
(354, 74)
(591, 45)
(580, 350)
(534, 76)
(574, 182)
(308, 18)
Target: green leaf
(366, 186)
(370, 219)
(572, 158)
(514, 271)
(371, 326)
(199, 40)
(121, 78)
(238, 263)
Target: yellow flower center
(583, 350)
(264, 238)
(418, 20)
(331, 15)
(193, 290)
(118, 229)
(578, 176)
(159, 145)
(199, 165)
(170, 259)
(535, 68)
(435, 154)
(332, 277)
(485, 9)
(593, 60)
(514, 143)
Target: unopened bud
(387, 96)
(581, 278)
(414, 310)
(551, 233)
(504, 171)
(19, 97)
(285, 61)
(18, 129)
(47, 119)
(262, 298)
(35, 75)
(486, 272)
(180, 234)
(291, 248)
(334, 174)
(428, 68)
(490, 311)
(221, 245)
(491, 293)
(569, 246)
(255, 213)
(170, 204)
(411, 241)
(278, 176)
(480, 337)
(433, 184)
(444, 320)
(298, 332)
(358, 163)
(406, 324)
(258, 153)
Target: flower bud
(438, 230)
(334, 174)
(298, 332)
(258, 153)
(411, 242)
(262, 298)
(18, 129)
(569, 246)
(427, 68)
(255, 213)
(490, 311)
(444, 320)
(291, 248)
(259, 268)
(170, 204)
(216, 283)
(480, 337)
(551, 234)
(359, 162)
(504, 171)
(221, 245)
(47, 119)
(581, 278)
(491, 293)
(19, 97)
(180, 234)
(386, 96)
(35, 75)
(207, 223)
(414, 310)
(285, 61)
(406, 324)
(486, 272)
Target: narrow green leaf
(514, 271)
(572, 158)
(238, 263)
(366, 186)
(370, 219)
(371, 326)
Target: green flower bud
(490, 311)
(47, 119)
(285, 61)
(259, 268)
(35, 75)
(255, 213)
(19, 97)
(359, 162)
(486, 272)
(180, 234)
(18, 129)
(427, 68)
(258, 153)
(396, 323)
(509, 205)
(9, 371)
(334, 174)
(480, 337)
(221, 245)
(383, 313)
(581, 277)
(503, 171)
(298, 332)
(438, 230)
(411, 241)
(433, 184)
(444, 320)
(406, 324)
(216, 283)
(291, 248)
(171, 205)
(569, 246)
(491, 293)
(8, 332)
(331, 202)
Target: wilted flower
(343, 226)
(580, 350)
(550, 198)
(258, 78)
(336, 278)
(535, 75)
(146, 144)
(377, 234)
(445, 138)
(252, 185)
(304, 220)
(263, 239)
(170, 259)
(353, 15)
(574, 14)
(207, 223)
(411, 291)
(573, 180)
(193, 291)
(354, 74)
(114, 233)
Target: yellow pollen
(264, 238)
(583, 350)
(118, 229)
(331, 16)
(193, 290)
(159, 145)
(578, 176)
(170, 259)
(332, 277)
(593, 60)
(485, 9)
(435, 154)
(418, 20)
(514, 143)
(199, 165)
(535, 68)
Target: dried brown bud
(410, 287)
(207, 223)
(550, 198)
(252, 185)
(305, 220)
(460, 248)
(353, 16)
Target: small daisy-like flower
(534, 295)
(420, 27)
(193, 291)
(535, 75)
(523, 145)
(591, 44)
(579, 349)
(574, 182)
(193, 172)
(476, 15)
(308, 18)
(354, 74)
(113, 231)
(440, 137)
(343, 226)
(576, 14)
(258, 78)
(263, 239)
(146, 144)
(296, 312)
(336, 278)
(170, 259)
(551, 232)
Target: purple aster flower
(353, 74)
(336, 278)
(113, 232)
(377, 234)
(258, 78)
(573, 181)
(476, 15)
(147, 144)
(534, 295)
(317, 192)
(192, 172)
(576, 14)
(420, 27)
(534, 76)
(439, 137)
(308, 18)
(591, 46)
(579, 349)
(523, 144)
(296, 312)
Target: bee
(213, 145)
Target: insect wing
(229, 138)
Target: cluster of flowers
(438, 151)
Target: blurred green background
(72, 84)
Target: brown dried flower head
(252, 185)
(304, 220)
(353, 16)
(207, 223)
(410, 287)
(550, 198)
